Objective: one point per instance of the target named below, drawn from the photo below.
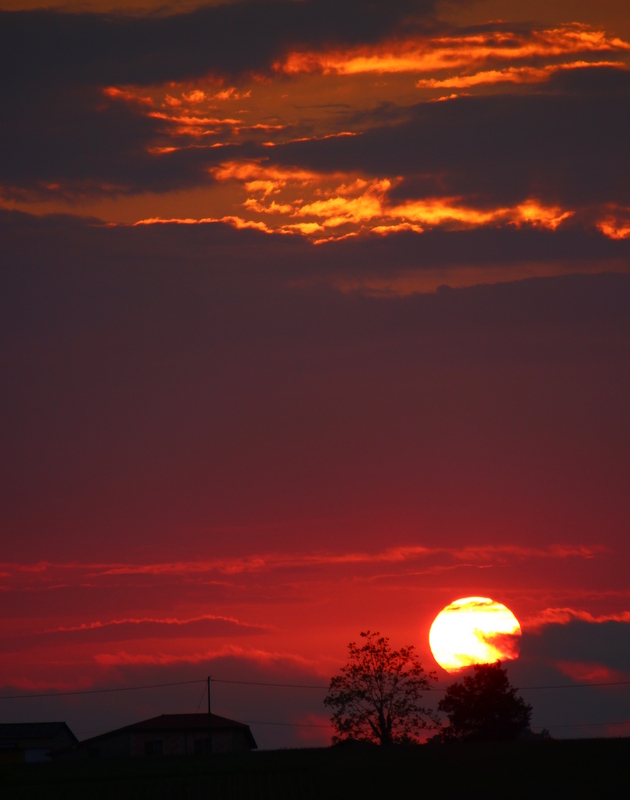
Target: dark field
(561, 769)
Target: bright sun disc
(474, 630)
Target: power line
(327, 727)
(98, 691)
(429, 689)
(280, 685)
(286, 724)
(585, 724)
(309, 686)
(573, 686)
(548, 726)
(268, 684)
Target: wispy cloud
(510, 75)
(329, 207)
(453, 52)
(591, 672)
(564, 616)
(255, 655)
(269, 562)
(152, 621)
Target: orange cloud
(159, 151)
(235, 222)
(510, 75)
(339, 135)
(195, 125)
(342, 209)
(196, 96)
(437, 211)
(273, 208)
(338, 201)
(616, 225)
(432, 212)
(129, 95)
(258, 176)
(444, 53)
(305, 228)
(535, 213)
(383, 230)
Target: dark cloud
(47, 48)
(565, 143)
(603, 643)
(81, 142)
(600, 652)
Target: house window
(154, 748)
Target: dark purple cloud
(566, 142)
(49, 48)
(161, 378)
(62, 129)
(601, 652)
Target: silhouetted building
(167, 735)
(33, 741)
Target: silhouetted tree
(484, 707)
(376, 698)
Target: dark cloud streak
(566, 144)
(87, 144)
(47, 48)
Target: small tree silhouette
(484, 707)
(376, 698)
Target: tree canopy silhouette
(376, 698)
(484, 707)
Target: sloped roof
(180, 722)
(34, 730)
(187, 721)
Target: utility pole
(209, 720)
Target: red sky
(311, 324)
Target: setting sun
(474, 630)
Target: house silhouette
(166, 735)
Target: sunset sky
(315, 317)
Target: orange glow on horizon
(474, 630)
